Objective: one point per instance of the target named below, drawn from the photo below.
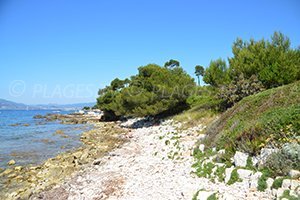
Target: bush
(234, 177)
(277, 183)
(262, 183)
(282, 162)
(238, 89)
(217, 73)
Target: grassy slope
(270, 117)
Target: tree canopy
(274, 62)
(199, 71)
(152, 91)
(217, 73)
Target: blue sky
(62, 51)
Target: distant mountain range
(10, 105)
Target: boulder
(244, 174)
(228, 173)
(286, 184)
(254, 179)
(264, 154)
(294, 174)
(11, 162)
(280, 192)
(295, 184)
(240, 159)
(221, 151)
(269, 182)
(201, 147)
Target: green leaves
(217, 73)
(152, 91)
(274, 62)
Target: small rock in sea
(18, 168)
(11, 162)
(240, 159)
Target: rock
(280, 192)
(201, 147)
(294, 174)
(254, 161)
(203, 195)
(254, 179)
(11, 162)
(269, 182)
(244, 174)
(97, 162)
(294, 193)
(221, 151)
(286, 184)
(274, 192)
(240, 159)
(18, 168)
(295, 184)
(228, 174)
(264, 154)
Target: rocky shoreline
(21, 182)
(155, 163)
(139, 159)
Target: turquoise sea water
(37, 142)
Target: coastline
(21, 182)
(155, 163)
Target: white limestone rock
(228, 173)
(244, 174)
(240, 159)
(294, 173)
(286, 184)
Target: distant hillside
(10, 105)
(76, 106)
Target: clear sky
(62, 51)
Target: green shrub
(286, 195)
(220, 173)
(234, 177)
(277, 183)
(212, 197)
(216, 73)
(262, 183)
(268, 118)
(238, 89)
(274, 62)
(280, 163)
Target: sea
(30, 141)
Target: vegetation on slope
(271, 117)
